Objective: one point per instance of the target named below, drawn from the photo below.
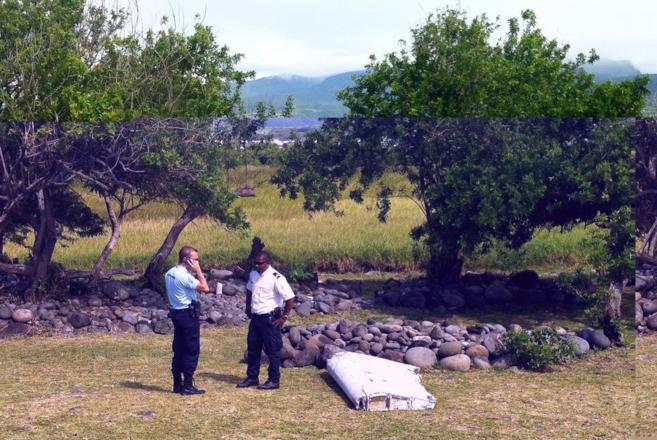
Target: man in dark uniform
(182, 289)
(267, 292)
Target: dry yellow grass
(102, 387)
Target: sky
(323, 37)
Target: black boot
(188, 386)
(177, 383)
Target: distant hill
(314, 97)
(605, 70)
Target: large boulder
(497, 293)
(448, 349)
(163, 326)
(413, 298)
(5, 312)
(79, 320)
(22, 315)
(15, 329)
(493, 343)
(526, 279)
(581, 345)
(453, 298)
(458, 362)
(220, 274)
(420, 357)
(477, 351)
(116, 291)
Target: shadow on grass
(333, 385)
(227, 378)
(144, 387)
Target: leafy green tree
(451, 69)
(66, 61)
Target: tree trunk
(612, 312)
(44, 243)
(444, 264)
(109, 247)
(154, 269)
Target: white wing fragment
(375, 384)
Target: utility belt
(276, 313)
(194, 309)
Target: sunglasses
(260, 263)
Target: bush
(540, 348)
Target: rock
(359, 330)
(288, 351)
(376, 348)
(448, 349)
(5, 312)
(295, 336)
(45, 314)
(393, 355)
(515, 328)
(458, 362)
(143, 327)
(303, 309)
(481, 364)
(497, 293)
(392, 298)
(453, 329)
(413, 299)
(390, 328)
(420, 357)
(586, 333)
(79, 320)
(125, 327)
(329, 351)
(15, 329)
(94, 301)
(215, 316)
(452, 298)
(505, 361)
(163, 326)
(220, 274)
(422, 341)
(436, 332)
(130, 317)
(22, 315)
(649, 307)
(332, 334)
(471, 279)
(638, 313)
(229, 290)
(477, 351)
(526, 279)
(493, 343)
(599, 340)
(344, 305)
(323, 307)
(581, 345)
(307, 356)
(116, 291)
(246, 191)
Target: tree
(66, 61)
(466, 174)
(452, 70)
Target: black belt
(264, 315)
(186, 309)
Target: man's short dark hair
(263, 255)
(185, 253)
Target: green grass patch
(353, 242)
(118, 387)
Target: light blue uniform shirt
(181, 287)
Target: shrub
(540, 348)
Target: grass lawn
(646, 370)
(117, 386)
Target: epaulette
(277, 275)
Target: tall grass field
(353, 242)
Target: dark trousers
(186, 342)
(263, 334)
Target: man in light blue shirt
(182, 289)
